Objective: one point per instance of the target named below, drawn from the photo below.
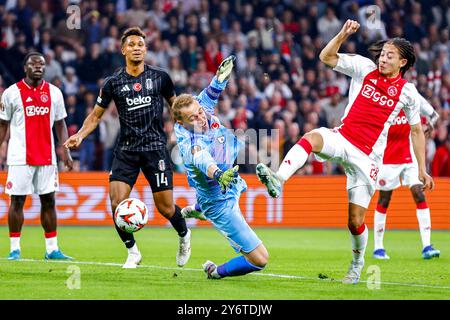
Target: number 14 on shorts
(162, 179)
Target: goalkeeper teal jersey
(217, 145)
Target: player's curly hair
(180, 102)
(133, 31)
(404, 47)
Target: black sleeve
(105, 94)
(167, 88)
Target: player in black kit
(138, 91)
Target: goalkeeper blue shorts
(224, 213)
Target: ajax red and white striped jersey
(374, 103)
(32, 113)
(399, 148)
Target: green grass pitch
(304, 264)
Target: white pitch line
(272, 275)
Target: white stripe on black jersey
(140, 103)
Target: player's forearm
(3, 129)
(329, 54)
(205, 163)
(89, 125)
(211, 169)
(418, 140)
(91, 122)
(61, 131)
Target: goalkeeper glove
(226, 178)
(225, 68)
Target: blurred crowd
(278, 83)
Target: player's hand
(73, 141)
(427, 180)
(225, 68)
(350, 27)
(428, 130)
(227, 178)
(67, 159)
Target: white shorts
(392, 176)
(23, 180)
(360, 169)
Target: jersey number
(161, 179)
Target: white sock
(294, 160)
(359, 244)
(423, 217)
(133, 250)
(379, 226)
(51, 244)
(15, 243)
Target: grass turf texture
(316, 258)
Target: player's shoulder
(156, 70)
(409, 88)
(12, 90)
(54, 88)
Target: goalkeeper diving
(209, 150)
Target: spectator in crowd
(278, 79)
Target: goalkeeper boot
(14, 255)
(354, 272)
(380, 254)
(210, 269)
(56, 255)
(184, 249)
(191, 212)
(269, 179)
(429, 252)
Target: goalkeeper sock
(178, 222)
(295, 159)
(237, 267)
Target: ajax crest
(392, 91)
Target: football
(131, 215)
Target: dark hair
(133, 31)
(31, 54)
(404, 47)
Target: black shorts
(155, 165)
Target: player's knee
(418, 194)
(385, 198)
(17, 202)
(48, 202)
(167, 210)
(384, 202)
(115, 203)
(315, 139)
(355, 223)
(261, 258)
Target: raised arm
(329, 55)
(209, 96)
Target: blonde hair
(182, 101)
